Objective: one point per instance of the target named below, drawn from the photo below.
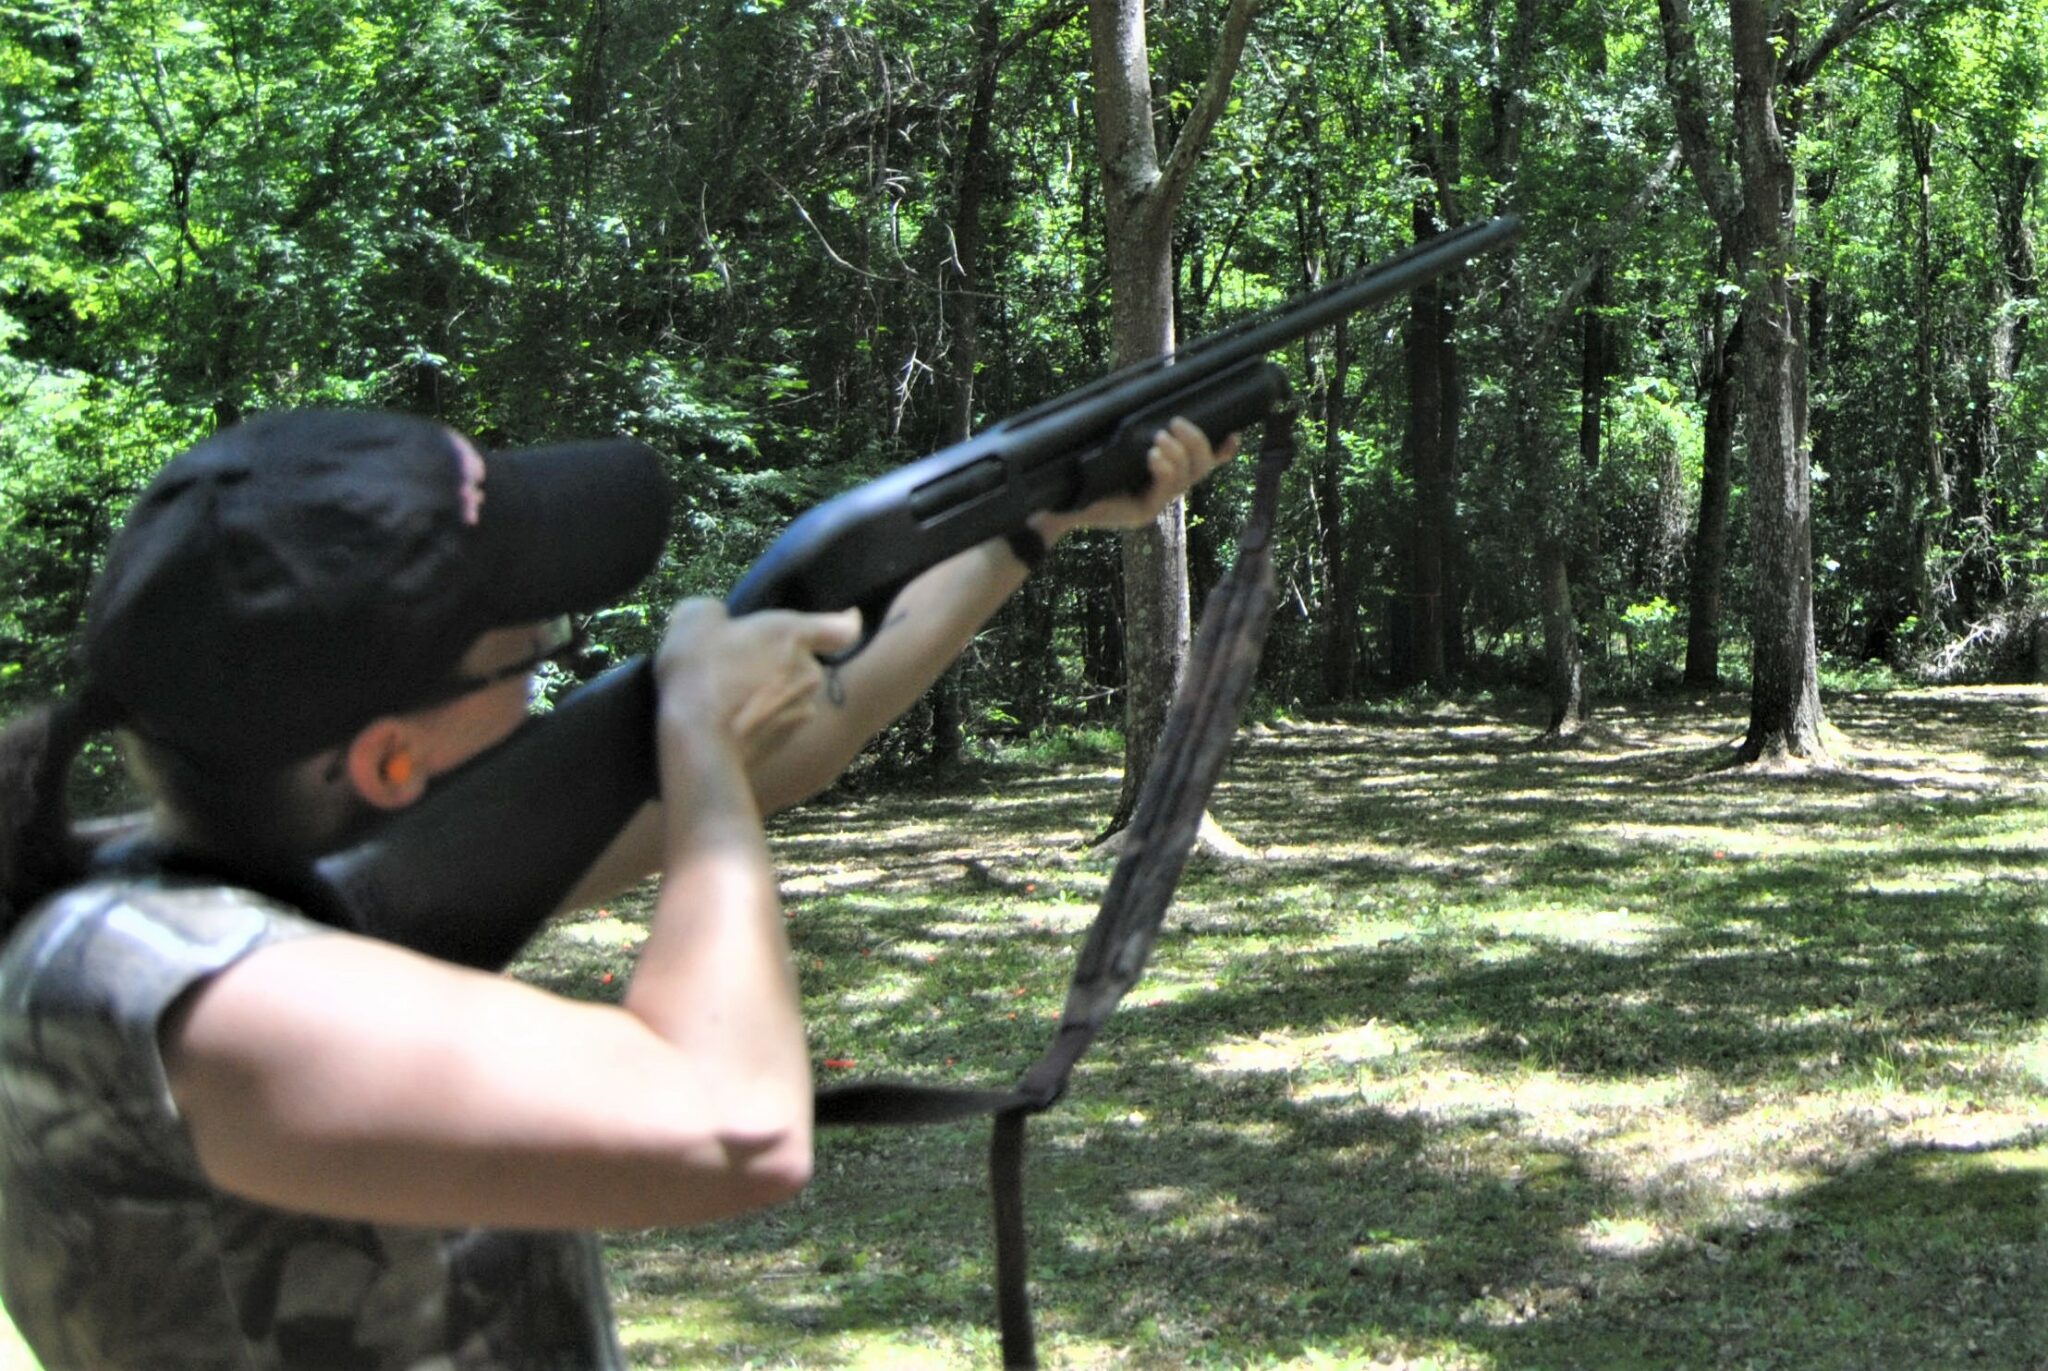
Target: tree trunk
(1566, 505)
(1330, 407)
(1340, 594)
(1102, 637)
(1140, 197)
(1924, 487)
(1710, 544)
(2012, 290)
(1422, 612)
(1595, 364)
(1139, 250)
(1785, 713)
(1756, 213)
(1443, 497)
(961, 303)
(1564, 658)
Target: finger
(791, 683)
(691, 615)
(1205, 455)
(690, 624)
(1176, 459)
(830, 633)
(803, 633)
(1188, 433)
(1167, 459)
(760, 729)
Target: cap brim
(568, 529)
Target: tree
(973, 175)
(1423, 635)
(1755, 206)
(1141, 195)
(1720, 353)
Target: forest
(1760, 395)
(1526, 1028)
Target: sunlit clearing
(1610, 1237)
(1621, 927)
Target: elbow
(776, 1155)
(783, 1176)
(762, 1158)
(726, 1175)
(765, 1168)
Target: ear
(383, 765)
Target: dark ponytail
(40, 853)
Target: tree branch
(1053, 16)
(1851, 19)
(1568, 302)
(1703, 159)
(1187, 149)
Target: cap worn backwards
(286, 581)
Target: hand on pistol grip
(756, 678)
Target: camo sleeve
(83, 989)
(116, 1253)
(91, 1148)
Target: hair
(257, 817)
(41, 850)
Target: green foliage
(1065, 747)
(1653, 635)
(74, 452)
(733, 232)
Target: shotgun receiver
(470, 872)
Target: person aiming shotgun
(237, 1137)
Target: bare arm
(930, 624)
(347, 1077)
(938, 614)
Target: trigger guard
(873, 615)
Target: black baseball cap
(295, 576)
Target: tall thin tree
(1140, 196)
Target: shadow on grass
(1505, 1057)
(1244, 1229)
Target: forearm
(938, 614)
(714, 976)
(930, 624)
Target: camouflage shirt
(115, 1253)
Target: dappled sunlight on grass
(1617, 928)
(1499, 1055)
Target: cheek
(487, 719)
(508, 707)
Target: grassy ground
(1497, 1056)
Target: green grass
(1498, 1055)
